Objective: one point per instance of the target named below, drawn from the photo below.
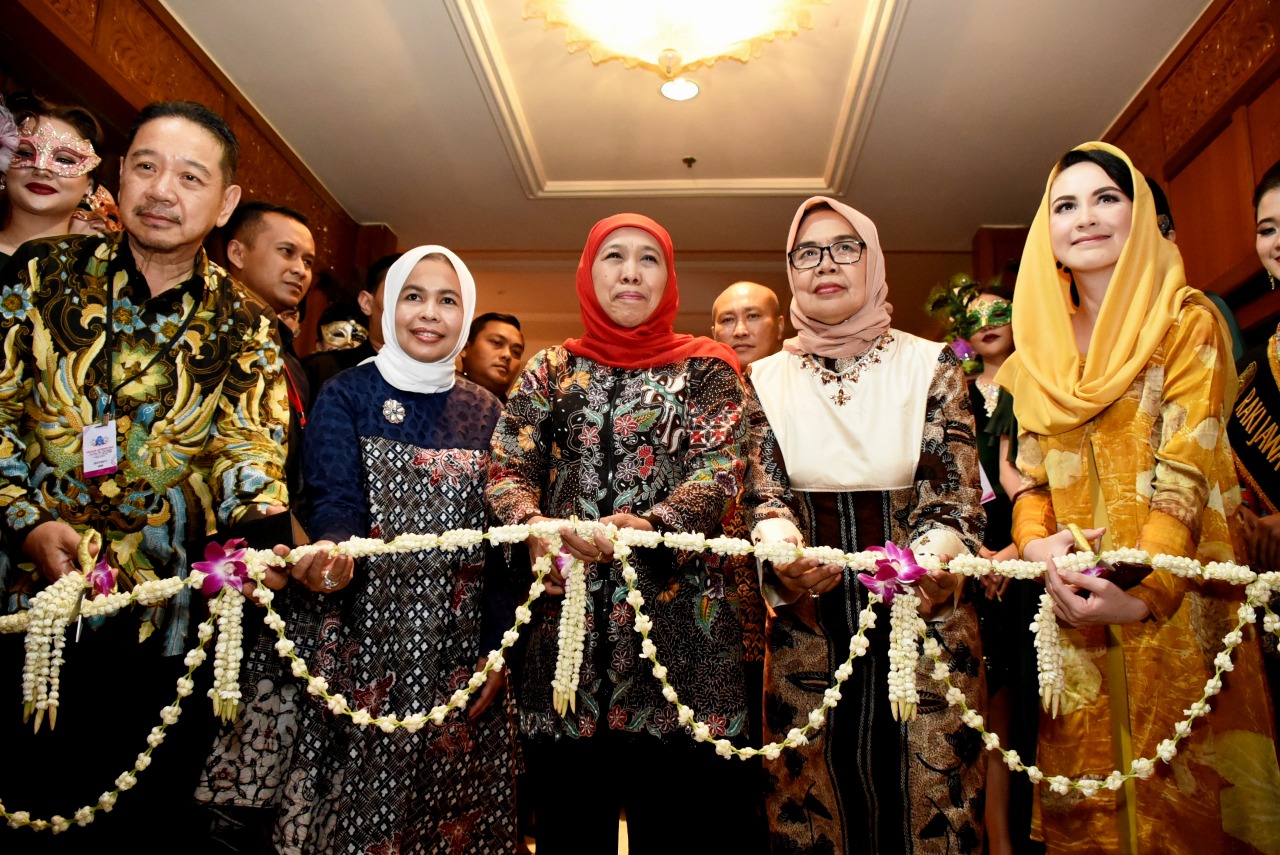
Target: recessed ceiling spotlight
(679, 89)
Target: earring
(1271, 279)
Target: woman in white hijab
(400, 444)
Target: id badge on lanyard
(98, 441)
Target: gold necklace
(870, 356)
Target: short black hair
(200, 115)
(478, 325)
(1270, 181)
(343, 310)
(246, 220)
(1117, 170)
(378, 272)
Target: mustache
(157, 211)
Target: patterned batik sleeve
(20, 506)
(1193, 429)
(713, 462)
(1033, 515)
(948, 492)
(768, 489)
(246, 448)
(518, 467)
(332, 469)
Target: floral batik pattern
(867, 783)
(200, 430)
(582, 439)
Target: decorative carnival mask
(995, 313)
(99, 207)
(41, 147)
(343, 335)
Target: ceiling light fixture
(679, 89)
(672, 37)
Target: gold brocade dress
(1156, 468)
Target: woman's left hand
(936, 589)
(481, 700)
(1107, 603)
(599, 550)
(322, 573)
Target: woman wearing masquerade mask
(51, 173)
(637, 426)
(980, 317)
(1121, 387)
(862, 435)
(399, 445)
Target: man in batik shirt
(185, 382)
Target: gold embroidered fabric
(1165, 476)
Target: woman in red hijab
(634, 425)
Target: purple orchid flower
(962, 349)
(224, 565)
(104, 581)
(563, 561)
(894, 573)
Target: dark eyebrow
(194, 164)
(644, 246)
(1268, 221)
(836, 239)
(197, 166)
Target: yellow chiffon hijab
(1052, 391)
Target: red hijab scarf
(654, 341)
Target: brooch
(393, 411)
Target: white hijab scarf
(399, 368)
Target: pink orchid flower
(894, 573)
(563, 560)
(102, 578)
(224, 565)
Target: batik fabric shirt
(401, 638)
(579, 438)
(867, 782)
(199, 402)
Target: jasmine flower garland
(52, 610)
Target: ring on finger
(813, 595)
(329, 583)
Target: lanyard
(109, 405)
(295, 397)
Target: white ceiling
(942, 116)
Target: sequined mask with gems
(41, 147)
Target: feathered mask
(8, 138)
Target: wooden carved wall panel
(148, 55)
(266, 175)
(1264, 129)
(1210, 203)
(1140, 139)
(80, 15)
(1242, 38)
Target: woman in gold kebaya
(1122, 382)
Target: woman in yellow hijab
(1121, 383)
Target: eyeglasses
(843, 252)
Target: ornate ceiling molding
(876, 37)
